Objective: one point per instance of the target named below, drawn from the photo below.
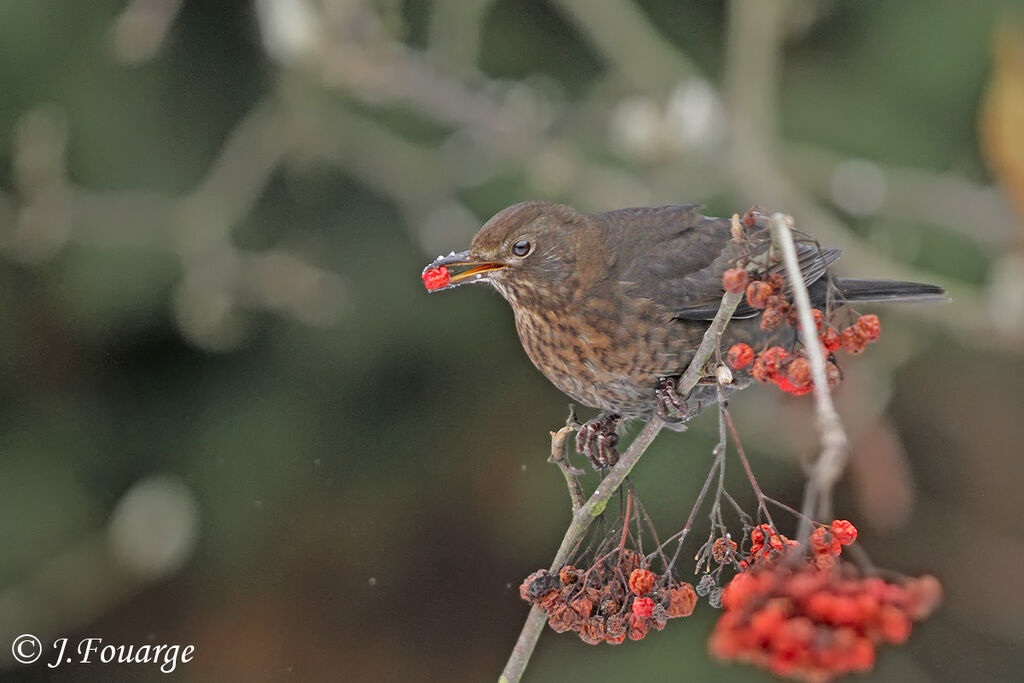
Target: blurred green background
(231, 416)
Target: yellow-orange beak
(448, 272)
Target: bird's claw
(597, 440)
(668, 405)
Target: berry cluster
(767, 546)
(809, 623)
(827, 541)
(790, 371)
(610, 601)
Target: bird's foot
(667, 404)
(597, 440)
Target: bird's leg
(597, 440)
(668, 405)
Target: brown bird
(611, 306)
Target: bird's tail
(888, 290)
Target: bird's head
(526, 249)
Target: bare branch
(828, 466)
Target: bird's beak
(448, 272)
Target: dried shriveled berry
(778, 302)
(758, 293)
(592, 630)
(776, 282)
(615, 629)
(641, 581)
(538, 585)
(568, 574)
(583, 607)
(772, 319)
(739, 356)
(706, 583)
(735, 280)
(681, 600)
(637, 626)
(659, 617)
(722, 549)
(561, 618)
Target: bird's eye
(521, 248)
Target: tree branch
(585, 515)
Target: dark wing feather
(676, 256)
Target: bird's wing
(676, 256)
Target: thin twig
(750, 472)
(571, 474)
(682, 533)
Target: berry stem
(746, 468)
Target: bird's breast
(605, 352)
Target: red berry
(799, 372)
(783, 383)
(869, 326)
(436, 277)
(823, 542)
(853, 342)
(735, 280)
(895, 625)
(765, 622)
(819, 318)
(641, 581)
(844, 531)
(831, 340)
(643, 607)
(776, 281)
(739, 356)
(758, 293)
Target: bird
(610, 307)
